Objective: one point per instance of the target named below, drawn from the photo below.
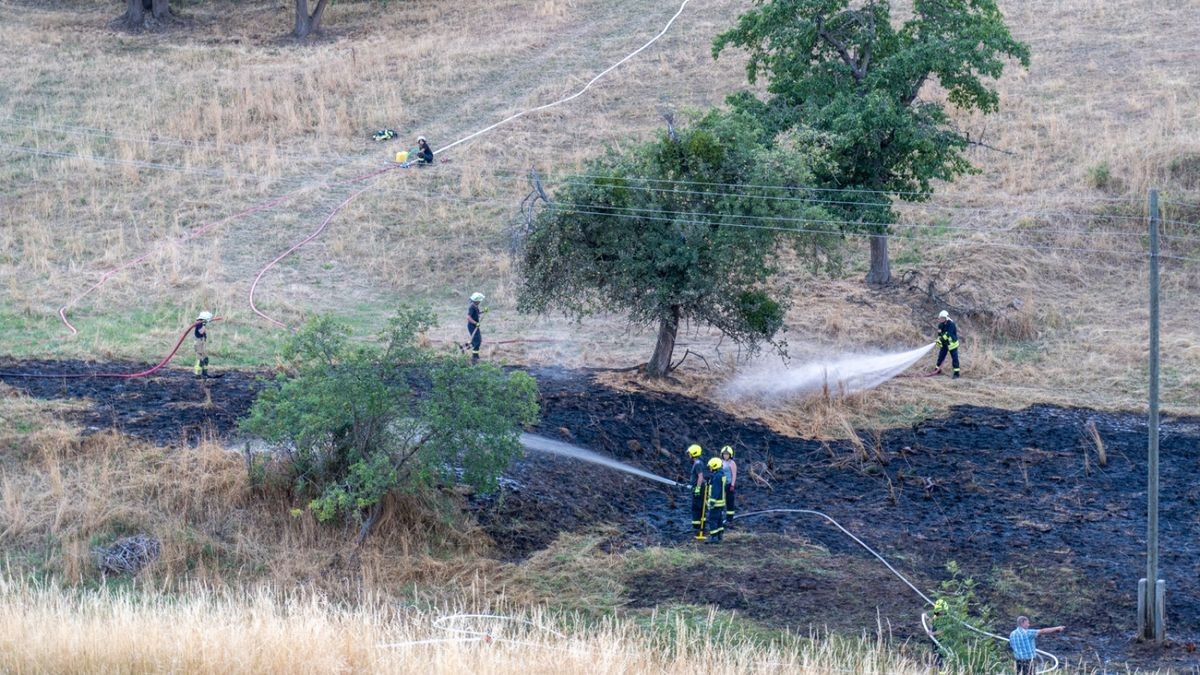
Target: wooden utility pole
(1152, 591)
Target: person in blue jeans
(1023, 642)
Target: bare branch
(916, 90)
(856, 69)
(981, 144)
(670, 118)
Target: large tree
(352, 429)
(679, 228)
(849, 71)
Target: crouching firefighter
(947, 340)
(200, 332)
(718, 484)
(698, 480)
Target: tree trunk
(372, 517)
(303, 21)
(160, 8)
(307, 24)
(135, 13)
(668, 327)
(881, 269)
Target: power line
(634, 213)
(574, 180)
(219, 173)
(798, 230)
(855, 190)
(1015, 211)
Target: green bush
(355, 421)
(1100, 176)
(955, 606)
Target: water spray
(543, 444)
(843, 375)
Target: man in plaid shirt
(1023, 642)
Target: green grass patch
(1025, 351)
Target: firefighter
(424, 152)
(474, 315)
(730, 467)
(200, 332)
(718, 484)
(698, 480)
(947, 340)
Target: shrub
(357, 421)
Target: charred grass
(215, 599)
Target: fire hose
(1043, 655)
(143, 373)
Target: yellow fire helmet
(694, 450)
(727, 450)
(714, 464)
(402, 157)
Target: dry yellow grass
(240, 118)
(64, 493)
(51, 629)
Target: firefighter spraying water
(845, 375)
(543, 444)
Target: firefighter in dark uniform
(424, 152)
(718, 485)
(947, 341)
(200, 332)
(697, 481)
(730, 468)
(474, 315)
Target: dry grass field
(210, 148)
(277, 632)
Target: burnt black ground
(1004, 493)
(170, 406)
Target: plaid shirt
(1023, 642)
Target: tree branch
(981, 144)
(670, 119)
(870, 41)
(856, 69)
(372, 518)
(840, 47)
(912, 94)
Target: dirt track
(1006, 494)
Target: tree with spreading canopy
(356, 421)
(681, 228)
(848, 71)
